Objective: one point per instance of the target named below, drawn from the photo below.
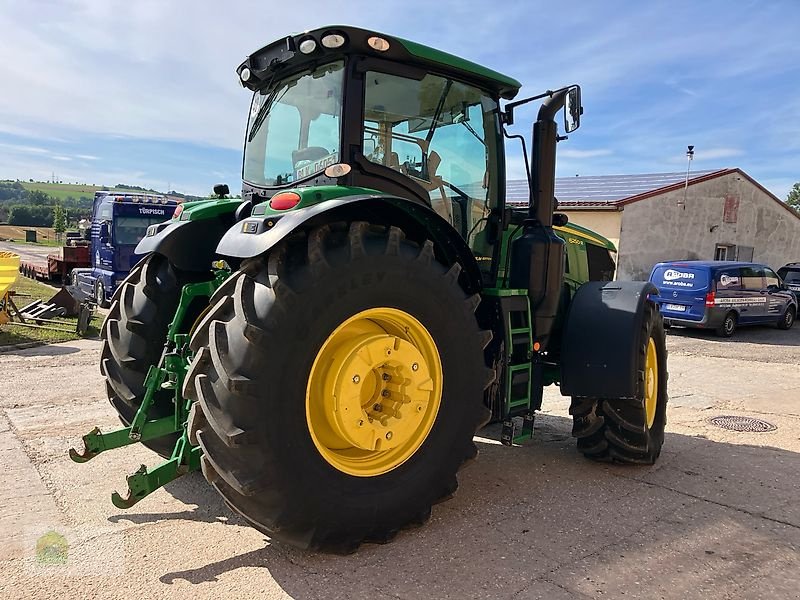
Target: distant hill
(61, 191)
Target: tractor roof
(286, 52)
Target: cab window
(601, 265)
(441, 134)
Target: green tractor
(326, 348)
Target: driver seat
(441, 205)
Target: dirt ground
(717, 517)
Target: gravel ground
(29, 252)
(717, 517)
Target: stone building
(719, 215)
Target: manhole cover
(734, 423)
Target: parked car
(790, 274)
(722, 295)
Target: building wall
(605, 222)
(657, 229)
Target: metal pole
(689, 157)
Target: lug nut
(377, 408)
(386, 377)
(385, 393)
(414, 367)
(388, 435)
(356, 378)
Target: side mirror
(572, 109)
(221, 190)
(103, 232)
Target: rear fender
(256, 235)
(601, 339)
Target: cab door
(753, 303)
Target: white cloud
(573, 153)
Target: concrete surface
(30, 253)
(717, 517)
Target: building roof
(613, 192)
(602, 190)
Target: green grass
(62, 190)
(26, 291)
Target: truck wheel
(133, 335)
(728, 325)
(100, 294)
(629, 430)
(787, 320)
(339, 383)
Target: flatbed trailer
(58, 265)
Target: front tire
(310, 428)
(134, 334)
(629, 430)
(100, 294)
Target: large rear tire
(134, 334)
(348, 318)
(629, 430)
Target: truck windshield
(128, 231)
(294, 128)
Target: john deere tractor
(325, 348)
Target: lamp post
(689, 157)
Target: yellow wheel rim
(651, 383)
(374, 391)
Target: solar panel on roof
(600, 189)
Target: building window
(724, 252)
(744, 253)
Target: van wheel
(728, 326)
(787, 320)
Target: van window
(679, 277)
(729, 280)
(751, 278)
(771, 278)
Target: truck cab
(119, 221)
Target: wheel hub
(373, 392)
(381, 387)
(651, 383)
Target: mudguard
(259, 233)
(189, 245)
(601, 339)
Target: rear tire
(629, 430)
(134, 334)
(261, 359)
(787, 320)
(728, 326)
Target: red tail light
(178, 211)
(284, 201)
(710, 299)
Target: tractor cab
(344, 107)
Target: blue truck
(119, 221)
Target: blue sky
(102, 91)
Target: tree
(38, 198)
(793, 199)
(59, 220)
